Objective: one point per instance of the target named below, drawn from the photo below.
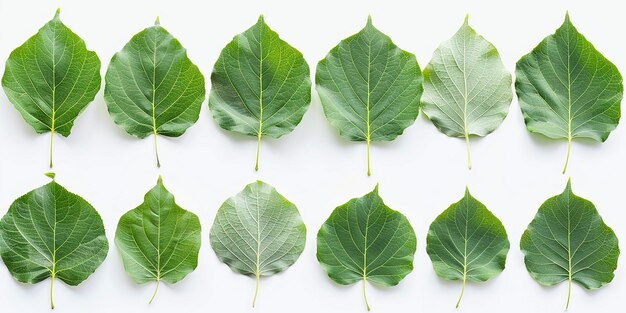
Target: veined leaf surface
(258, 232)
(568, 241)
(467, 243)
(260, 85)
(51, 78)
(52, 233)
(364, 240)
(467, 89)
(370, 89)
(152, 87)
(567, 89)
(158, 240)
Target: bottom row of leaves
(52, 233)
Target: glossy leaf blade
(364, 240)
(52, 233)
(467, 242)
(258, 232)
(467, 89)
(152, 87)
(260, 85)
(158, 240)
(567, 89)
(370, 89)
(568, 241)
(51, 78)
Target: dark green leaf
(152, 88)
(51, 78)
(370, 89)
(364, 240)
(258, 232)
(467, 243)
(158, 240)
(568, 241)
(52, 233)
(467, 89)
(260, 85)
(567, 89)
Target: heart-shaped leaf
(51, 78)
(364, 240)
(370, 89)
(567, 89)
(467, 243)
(260, 85)
(158, 240)
(467, 89)
(258, 232)
(152, 88)
(568, 241)
(52, 233)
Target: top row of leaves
(369, 88)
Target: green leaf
(152, 88)
(467, 89)
(567, 240)
(467, 243)
(260, 85)
(51, 78)
(158, 240)
(567, 89)
(52, 233)
(364, 240)
(369, 88)
(258, 232)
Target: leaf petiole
(155, 291)
(569, 148)
(462, 291)
(367, 305)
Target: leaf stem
(569, 292)
(469, 156)
(51, 141)
(369, 171)
(258, 148)
(51, 288)
(256, 291)
(462, 290)
(156, 149)
(367, 305)
(569, 148)
(155, 291)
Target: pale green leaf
(467, 89)
(258, 232)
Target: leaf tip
(160, 180)
(375, 188)
(466, 22)
(57, 13)
(261, 19)
(50, 175)
(157, 22)
(568, 187)
(369, 20)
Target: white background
(420, 173)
